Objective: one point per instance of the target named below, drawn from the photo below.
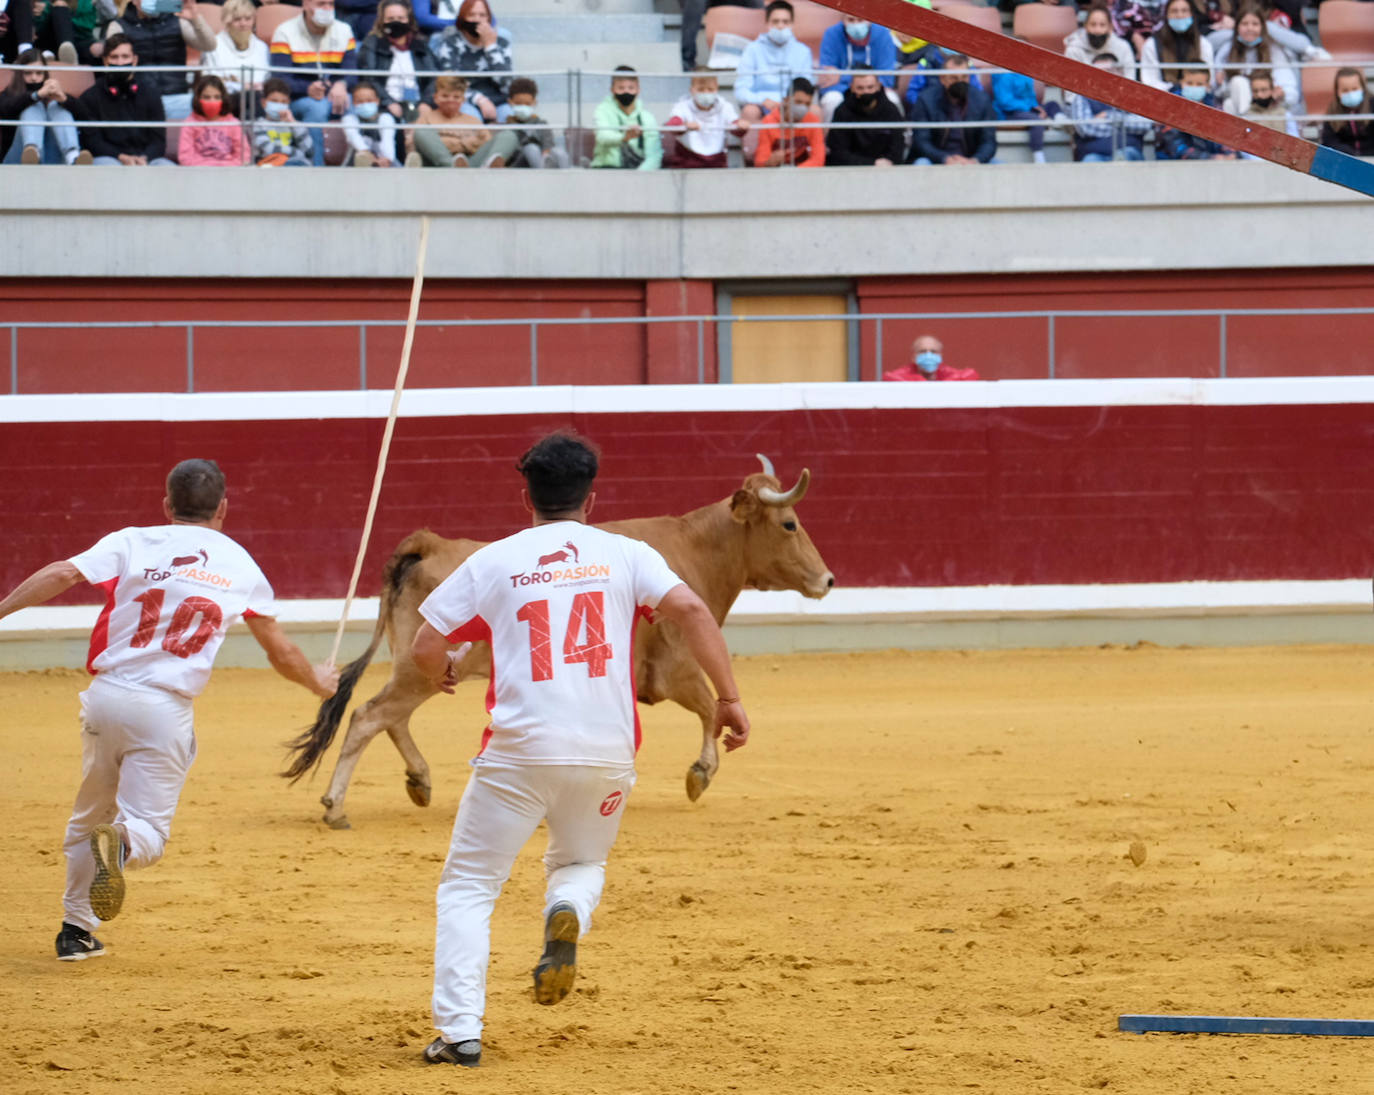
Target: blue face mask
(1351, 99)
(856, 31)
(780, 36)
(365, 111)
(1181, 26)
(1248, 41)
(1194, 92)
(927, 361)
(273, 109)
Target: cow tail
(307, 749)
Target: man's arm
(289, 660)
(436, 658)
(43, 585)
(707, 645)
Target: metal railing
(720, 326)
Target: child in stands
(703, 120)
(278, 139)
(213, 137)
(371, 131)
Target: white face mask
(799, 111)
(780, 36)
(522, 111)
(322, 17)
(704, 99)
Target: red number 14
(588, 615)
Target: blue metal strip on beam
(1241, 1024)
(1056, 70)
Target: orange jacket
(808, 145)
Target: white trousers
(137, 745)
(500, 810)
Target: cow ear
(743, 506)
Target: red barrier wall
(910, 496)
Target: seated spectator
(767, 67)
(535, 146)
(928, 363)
(371, 131)
(1216, 15)
(1179, 41)
(434, 16)
(279, 140)
(866, 101)
(1250, 47)
(116, 96)
(953, 98)
(360, 15)
(1281, 29)
(475, 47)
(1102, 133)
(1266, 108)
(1175, 144)
(1137, 21)
(396, 47)
(703, 120)
(460, 139)
(239, 54)
(847, 45)
(692, 13)
(1350, 95)
(34, 97)
(160, 38)
(308, 50)
(67, 29)
(802, 142)
(16, 31)
(1096, 37)
(1014, 99)
(626, 133)
(214, 137)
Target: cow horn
(770, 497)
(767, 465)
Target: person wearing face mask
(213, 137)
(702, 121)
(1249, 50)
(32, 98)
(371, 131)
(626, 133)
(239, 53)
(866, 103)
(313, 53)
(278, 139)
(1349, 95)
(953, 97)
(1101, 132)
(796, 140)
(1096, 37)
(1180, 41)
(766, 68)
(536, 145)
(477, 48)
(1176, 144)
(397, 48)
(160, 32)
(1014, 98)
(119, 94)
(928, 363)
(1266, 108)
(851, 44)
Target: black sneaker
(557, 968)
(468, 1054)
(77, 944)
(107, 888)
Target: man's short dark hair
(523, 85)
(1113, 59)
(802, 84)
(195, 488)
(779, 5)
(559, 471)
(956, 60)
(275, 86)
(114, 41)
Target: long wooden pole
(415, 289)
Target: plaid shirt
(1084, 113)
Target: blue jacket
(766, 71)
(933, 105)
(928, 56)
(1174, 144)
(1012, 92)
(839, 51)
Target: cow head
(778, 553)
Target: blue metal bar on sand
(1242, 1024)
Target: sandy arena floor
(914, 879)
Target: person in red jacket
(803, 142)
(928, 363)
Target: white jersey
(171, 593)
(558, 603)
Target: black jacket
(375, 53)
(1360, 142)
(157, 40)
(14, 100)
(108, 101)
(934, 105)
(863, 146)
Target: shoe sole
(557, 969)
(462, 1060)
(82, 956)
(107, 888)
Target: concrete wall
(845, 222)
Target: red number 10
(176, 641)
(589, 614)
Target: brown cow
(751, 539)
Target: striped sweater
(300, 57)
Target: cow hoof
(338, 822)
(418, 790)
(698, 779)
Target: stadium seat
(212, 14)
(73, 83)
(335, 147)
(174, 142)
(987, 18)
(270, 17)
(1317, 84)
(1045, 25)
(581, 144)
(811, 22)
(1346, 28)
(729, 19)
